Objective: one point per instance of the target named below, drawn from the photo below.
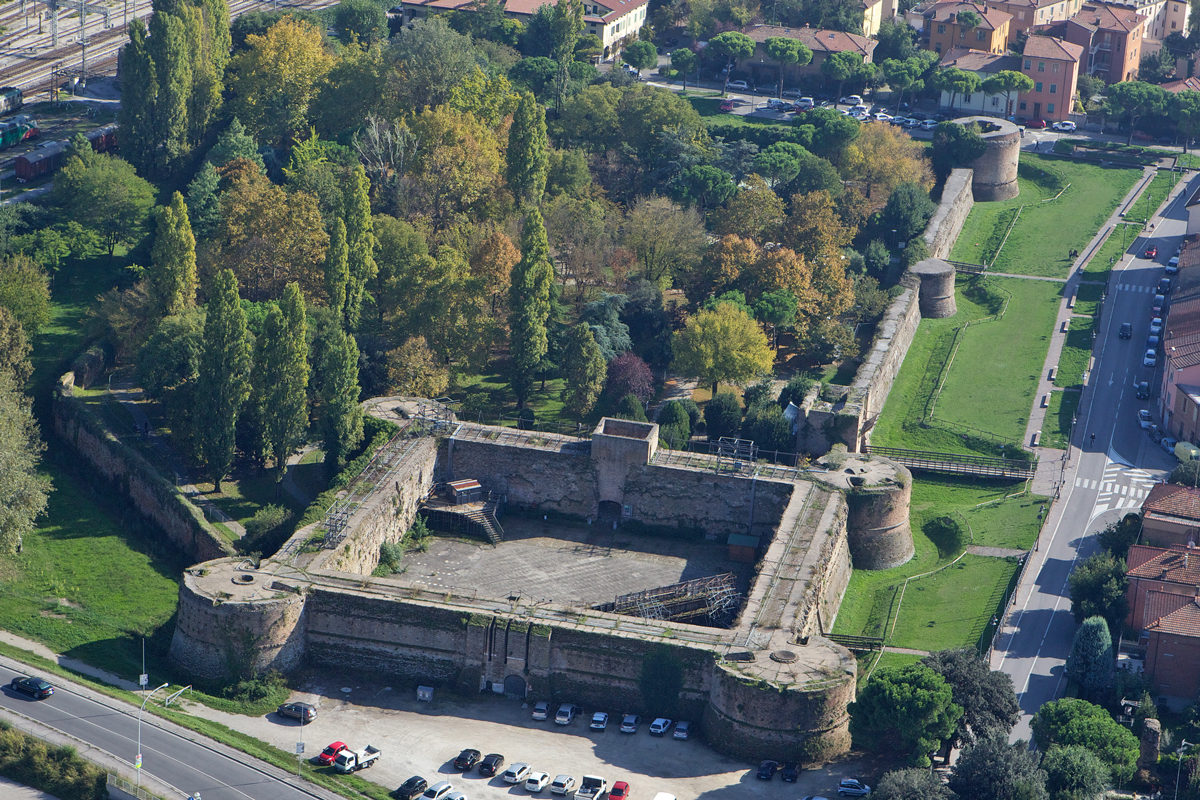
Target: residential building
(822, 43)
(1163, 595)
(1163, 17)
(985, 65)
(611, 20)
(1184, 85)
(1179, 390)
(1171, 516)
(875, 12)
(1111, 38)
(1053, 66)
(1029, 13)
(943, 32)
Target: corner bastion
(771, 685)
(995, 172)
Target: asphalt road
(190, 766)
(1106, 478)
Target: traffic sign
(143, 680)
(299, 748)
(137, 762)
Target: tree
(765, 425)
(203, 208)
(1074, 773)
(755, 212)
(341, 414)
(1185, 110)
(723, 416)
(955, 81)
(787, 53)
(603, 317)
(684, 61)
(967, 20)
(106, 195)
(1006, 82)
(136, 114)
(280, 380)
(168, 45)
(814, 228)
(337, 268)
(909, 709)
(1135, 99)
(224, 380)
(456, 164)
(733, 46)
(529, 304)
(911, 784)
(25, 293)
(1098, 589)
(234, 143)
(1117, 537)
(1071, 721)
(173, 261)
(629, 407)
(903, 75)
(1157, 67)
(23, 488)
(884, 157)
(908, 211)
(14, 348)
(640, 55)
(834, 133)
(360, 244)
(666, 238)
(360, 20)
(566, 23)
(414, 370)
(723, 345)
(993, 769)
(986, 696)
(841, 67)
(527, 158)
(1091, 660)
(629, 374)
(897, 41)
(273, 81)
(433, 58)
(704, 186)
(584, 370)
(674, 424)
(955, 145)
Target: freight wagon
(49, 158)
(11, 99)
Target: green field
(952, 607)
(1118, 243)
(1152, 197)
(1076, 353)
(1045, 232)
(1087, 299)
(1056, 429)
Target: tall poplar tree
(341, 414)
(337, 268)
(203, 210)
(527, 156)
(223, 384)
(169, 49)
(280, 392)
(529, 301)
(139, 90)
(204, 94)
(173, 267)
(360, 244)
(584, 369)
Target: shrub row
(56, 770)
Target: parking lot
(423, 738)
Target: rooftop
(1050, 47)
(992, 18)
(1175, 565)
(817, 40)
(1182, 622)
(1099, 16)
(1185, 85)
(1162, 604)
(979, 61)
(1175, 500)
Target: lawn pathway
(66, 662)
(289, 481)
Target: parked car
(682, 730)
(536, 782)
(1168, 444)
(805, 102)
(1142, 390)
(304, 712)
(851, 100)
(517, 773)
(740, 86)
(541, 709)
(767, 770)
(491, 764)
(1156, 306)
(1125, 331)
(1172, 265)
(1164, 286)
(619, 791)
(39, 689)
(562, 784)
(766, 88)
(1151, 252)
(1156, 434)
(728, 105)
(660, 726)
(326, 756)
(852, 787)
(1156, 322)
(1152, 341)
(566, 714)
(1035, 123)
(438, 791)
(1066, 126)
(599, 721)
(1150, 359)
(790, 772)
(793, 93)
(467, 759)
(349, 761)
(929, 124)
(456, 796)
(1144, 419)
(1156, 328)
(411, 788)
(778, 105)
(629, 724)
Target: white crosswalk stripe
(1120, 487)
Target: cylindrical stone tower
(878, 493)
(936, 296)
(995, 171)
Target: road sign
(143, 680)
(137, 762)
(299, 748)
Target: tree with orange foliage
(883, 157)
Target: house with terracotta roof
(1171, 516)
(1163, 17)
(985, 65)
(942, 31)
(611, 20)
(822, 43)
(1053, 66)
(1027, 14)
(1111, 38)
(1164, 586)
(1185, 85)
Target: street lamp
(1184, 745)
(137, 764)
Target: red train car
(104, 138)
(47, 159)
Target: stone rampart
(702, 500)
(957, 201)
(893, 336)
(559, 481)
(995, 172)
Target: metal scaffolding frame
(713, 601)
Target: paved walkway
(908, 651)
(66, 663)
(994, 552)
(11, 790)
(677, 388)
(1025, 277)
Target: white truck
(591, 788)
(353, 760)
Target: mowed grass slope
(1045, 233)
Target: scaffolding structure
(713, 601)
(735, 453)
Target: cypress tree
(337, 268)
(341, 415)
(139, 90)
(204, 94)
(584, 369)
(280, 392)
(169, 49)
(527, 156)
(173, 267)
(360, 244)
(223, 383)
(529, 301)
(202, 203)
(1091, 659)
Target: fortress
(771, 685)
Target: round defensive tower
(878, 494)
(235, 621)
(995, 172)
(936, 296)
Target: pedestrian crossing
(1129, 287)
(1121, 487)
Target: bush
(630, 407)
(759, 394)
(257, 689)
(794, 390)
(266, 531)
(766, 426)
(525, 419)
(916, 252)
(723, 417)
(390, 556)
(674, 425)
(56, 770)
(267, 519)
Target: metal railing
(956, 462)
(117, 782)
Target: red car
(1151, 252)
(330, 753)
(620, 791)
(1036, 123)
(727, 105)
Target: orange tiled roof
(1183, 622)
(1162, 604)
(1049, 47)
(1175, 565)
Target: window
(1049, 108)
(1020, 15)
(1028, 63)
(980, 35)
(995, 100)
(967, 99)
(1041, 66)
(937, 48)
(1172, 26)
(1054, 88)
(1054, 67)
(1022, 105)
(941, 28)
(1037, 87)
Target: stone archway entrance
(610, 510)
(514, 686)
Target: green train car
(18, 129)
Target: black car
(491, 764)
(301, 711)
(36, 687)
(790, 772)
(467, 759)
(1126, 331)
(411, 788)
(766, 770)
(1143, 390)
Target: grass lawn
(545, 402)
(1087, 299)
(710, 107)
(952, 607)
(1057, 427)
(1076, 353)
(247, 492)
(992, 381)
(1045, 232)
(1118, 243)
(1152, 197)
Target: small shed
(466, 491)
(743, 548)
(425, 694)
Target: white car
(805, 102)
(562, 784)
(1150, 359)
(438, 791)
(517, 773)
(1066, 126)
(1144, 419)
(536, 782)
(741, 86)
(682, 729)
(1173, 265)
(929, 124)
(599, 720)
(881, 117)
(851, 100)
(660, 726)
(455, 796)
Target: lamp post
(137, 764)
(1184, 745)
